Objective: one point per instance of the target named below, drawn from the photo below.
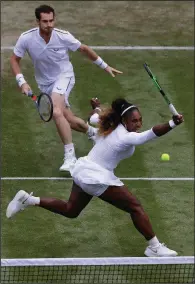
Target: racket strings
(45, 107)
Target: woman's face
(133, 121)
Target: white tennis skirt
(93, 178)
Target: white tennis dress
(94, 172)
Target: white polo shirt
(49, 59)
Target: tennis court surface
(32, 151)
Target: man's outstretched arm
(92, 55)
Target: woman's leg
(121, 198)
(78, 200)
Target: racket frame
(155, 81)
(37, 99)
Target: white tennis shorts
(63, 85)
(92, 178)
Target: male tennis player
(48, 48)
(93, 175)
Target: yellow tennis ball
(165, 157)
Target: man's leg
(62, 125)
(78, 200)
(65, 85)
(77, 123)
(64, 130)
(121, 198)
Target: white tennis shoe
(18, 203)
(69, 163)
(161, 250)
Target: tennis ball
(165, 157)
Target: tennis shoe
(68, 164)
(18, 203)
(161, 250)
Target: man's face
(46, 23)
(134, 121)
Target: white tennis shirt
(49, 59)
(118, 145)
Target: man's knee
(57, 112)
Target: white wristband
(100, 62)
(94, 119)
(172, 124)
(20, 79)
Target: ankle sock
(154, 242)
(32, 200)
(69, 149)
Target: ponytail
(108, 121)
(110, 118)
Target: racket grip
(173, 110)
(30, 93)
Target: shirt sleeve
(134, 138)
(20, 47)
(72, 43)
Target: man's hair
(43, 9)
(112, 117)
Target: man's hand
(26, 89)
(178, 119)
(95, 103)
(113, 72)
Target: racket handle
(173, 110)
(30, 93)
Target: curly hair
(110, 118)
(43, 9)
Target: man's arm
(92, 55)
(15, 65)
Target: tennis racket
(154, 79)
(44, 105)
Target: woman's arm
(134, 138)
(162, 129)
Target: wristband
(20, 79)
(172, 124)
(100, 62)
(94, 119)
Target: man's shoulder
(59, 31)
(29, 32)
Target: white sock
(69, 149)
(32, 200)
(154, 242)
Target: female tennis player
(93, 175)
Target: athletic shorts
(63, 85)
